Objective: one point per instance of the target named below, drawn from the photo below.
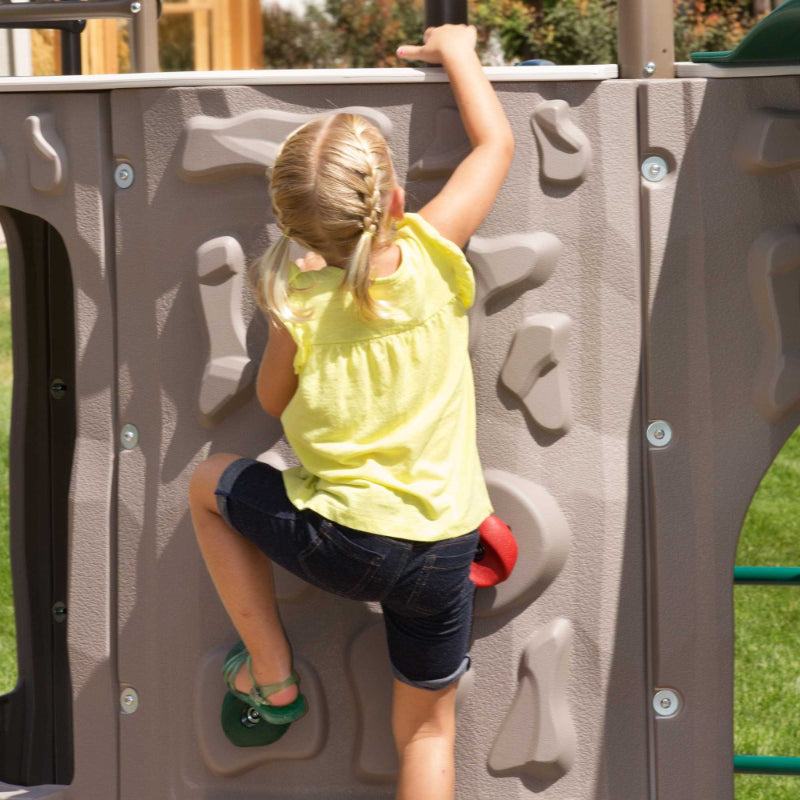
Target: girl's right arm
(466, 198)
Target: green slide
(775, 40)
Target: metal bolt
(666, 703)
(654, 169)
(649, 68)
(251, 718)
(58, 389)
(129, 700)
(659, 433)
(129, 436)
(59, 612)
(123, 174)
(136, 7)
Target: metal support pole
(70, 52)
(144, 30)
(442, 12)
(645, 37)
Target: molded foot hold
(537, 737)
(245, 727)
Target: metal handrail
(142, 13)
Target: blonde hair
(330, 187)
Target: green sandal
(258, 698)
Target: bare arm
(466, 198)
(277, 381)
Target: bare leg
(424, 727)
(242, 575)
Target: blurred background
(291, 34)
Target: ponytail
(273, 281)
(357, 278)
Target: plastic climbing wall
(609, 297)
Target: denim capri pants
(423, 588)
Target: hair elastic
(285, 235)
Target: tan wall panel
(705, 351)
(591, 472)
(74, 196)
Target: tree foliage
(366, 33)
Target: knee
(205, 479)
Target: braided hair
(330, 188)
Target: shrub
(578, 32)
(708, 26)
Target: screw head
(136, 7)
(123, 175)
(59, 612)
(659, 433)
(666, 703)
(250, 718)
(129, 700)
(129, 437)
(58, 389)
(649, 68)
(654, 169)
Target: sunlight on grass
(8, 641)
(767, 688)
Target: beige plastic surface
(541, 704)
(626, 551)
(710, 332)
(59, 166)
(535, 370)
(769, 142)
(566, 150)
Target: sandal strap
(259, 694)
(263, 693)
(233, 663)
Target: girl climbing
(367, 367)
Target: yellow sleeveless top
(383, 419)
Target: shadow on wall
(704, 352)
(40, 449)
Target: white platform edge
(286, 77)
(688, 69)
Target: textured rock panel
(47, 157)
(542, 534)
(219, 149)
(565, 149)
(769, 142)
(535, 372)
(229, 371)
(774, 271)
(449, 147)
(537, 737)
(303, 740)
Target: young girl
(367, 367)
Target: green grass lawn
(8, 643)
(767, 691)
(767, 696)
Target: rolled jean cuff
(229, 476)
(436, 683)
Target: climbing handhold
(496, 554)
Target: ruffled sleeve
(298, 280)
(447, 255)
